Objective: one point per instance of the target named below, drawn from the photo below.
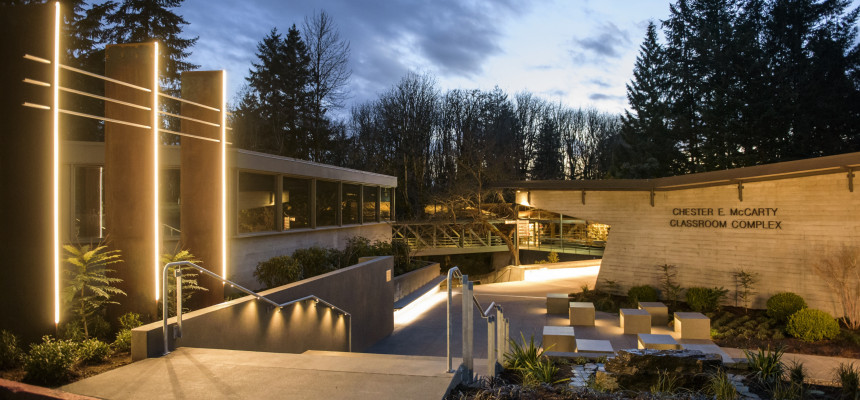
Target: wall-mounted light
(55, 111)
(155, 145)
(224, 174)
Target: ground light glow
(55, 111)
(155, 143)
(224, 174)
(419, 307)
(546, 274)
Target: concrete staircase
(194, 373)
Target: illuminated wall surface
(780, 229)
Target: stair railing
(177, 273)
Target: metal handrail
(178, 274)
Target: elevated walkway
(211, 374)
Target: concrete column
(129, 180)
(491, 346)
(467, 320)
(200, 180)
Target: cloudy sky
(579, 52)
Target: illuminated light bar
(37, 59)
(95, 96)
(117, 81)
(56, 133)
(39, 106)
(190, 135)
(37, 83)
(224, 174)
(155, 144)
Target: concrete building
(775, 220)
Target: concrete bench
(657, 342)
(659, 312)
(634, 320)
(581, 313)
(594, 346)
(692, 325)
(556, 303)
(559, 338)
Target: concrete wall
(249, 249)
(409, 282)
(815, 215)
(249, 324)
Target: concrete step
(230, 374)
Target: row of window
(306, 203)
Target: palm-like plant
(189, 279)
(89, 288)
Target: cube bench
(581, 313)
(556, 303)
(659, 312)
(692, 325)
(559, 338)
(634, 321)
(594, 346)
(657, 342)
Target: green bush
(704, 299)
(811, 325)
(10, 350)
(129, 321)
(97, 326)
(50, 362)
(643, 293)
(848, 377)
(278, 271)
(781, 305)
(317, 260)
(93, 351)
(123, 341)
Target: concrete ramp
(194, 373)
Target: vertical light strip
(224, 174)
(55, 110)
(155, 142)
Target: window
(168, 189)
(385, 204)
(349, 205)
(89, 202)
(327, 203)
(296, 199)
(256, 202)
(370, 208)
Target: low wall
(513, 273)
(248, 324)
(409, 282)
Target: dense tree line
(742, 82)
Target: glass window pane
(296, 197)
(89, 202)
(168, 189)
(351, 197)
(371, 196)
(385, 204)
(327, 203)
(256, 201)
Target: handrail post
(177, 277)
(500, 335)
(491, 346)
(468, 326)
(164, 306)
(450, 331)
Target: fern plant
(89, 288)
(188, 280)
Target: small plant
(811, 325)
(667, 383)
(766, 365)
(848, 376)
(782, 390)
(602, 382)
(10, 350)
(671, 289)
(797, 376)
(781, 305)
(97, 327)
(840, 270)
(744, 287)
(278, 271)
(93, 351)
(643, 293)
(703, 299)
(521, 355)
(50, 362)
(721, 386)
(188, 279)
(127, 322)
(611, 286)
(541, 371)
(89, 288)
(551, 258)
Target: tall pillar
(129, 174)
(201, 183)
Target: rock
(640, 369)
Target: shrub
(744, 287)
(643, 293)
(97, 326)
(721, 386)
(551, 258)
(129, 321)
(88, 287)
(704, 299)
(766, 365)
(671, 289)
(10, 350)
(123, 341)
(849, 378)
(781, 305)
(812, 325)
(93, 351)
(50, 362)
(521, 355)
(278, 271)
(840, 270)
(316, 260)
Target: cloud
(605, 97)
(608, 42)
(599, 82)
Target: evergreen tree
(547, 162)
